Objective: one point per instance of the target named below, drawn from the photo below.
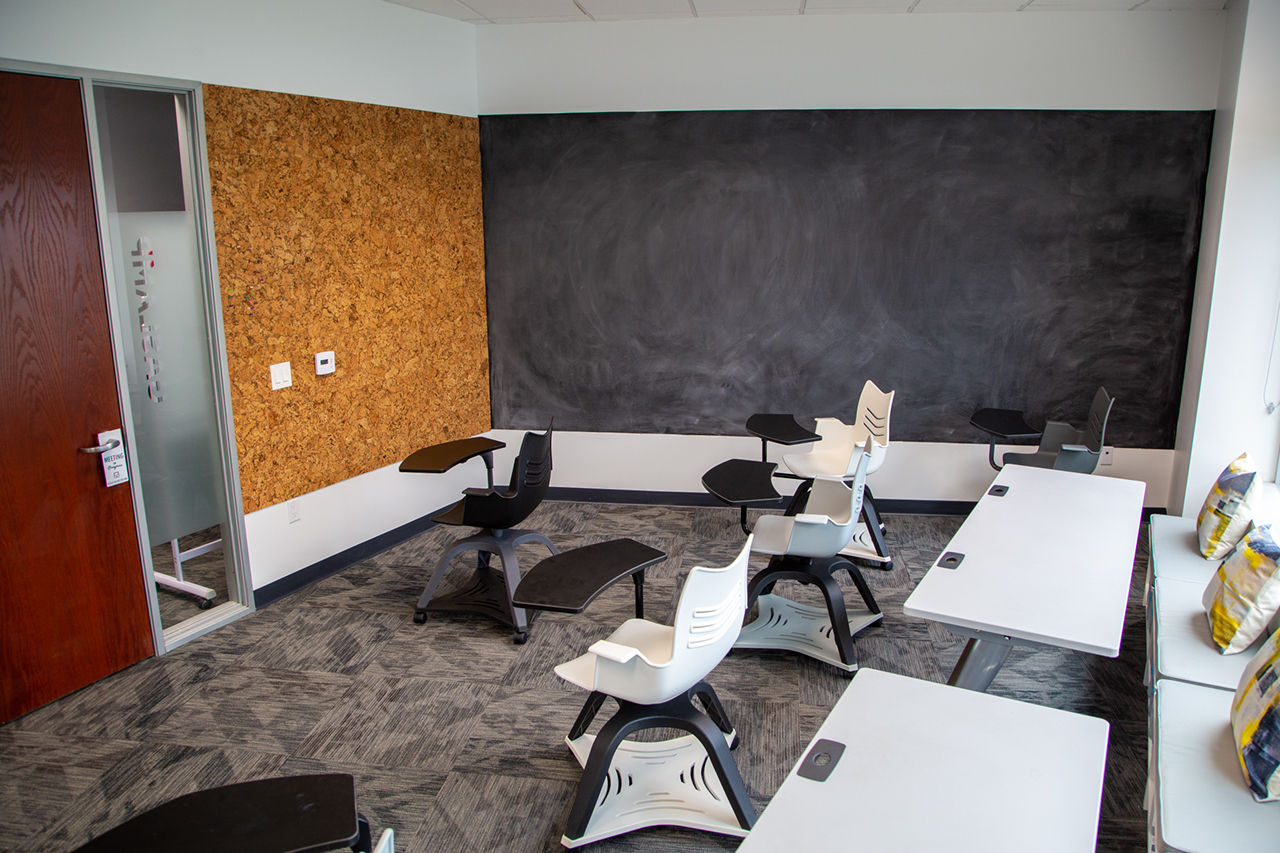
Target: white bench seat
(1184, 649)
(1201, 803)
(1175, 551)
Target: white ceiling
(561, 11)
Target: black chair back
(530, 481)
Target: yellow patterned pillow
(1245, 591)
(1228, 509)
(1255, 721)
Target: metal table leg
(978, 664)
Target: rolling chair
(653, 671)
(806, 548)
(1065, 448)
(835, 455)
(496, 511)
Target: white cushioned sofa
(1197, 800)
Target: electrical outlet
(1107, 453)
(295, 511)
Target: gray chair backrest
(1095, 430)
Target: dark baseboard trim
(315, 572)
(634, 496)
(304, 577)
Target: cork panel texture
(353, 228)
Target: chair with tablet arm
(806, 547)
(653, 671)
(497, 511)
(1065, 448)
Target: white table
(1046, 563)
(929, 768)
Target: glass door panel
(145, 140)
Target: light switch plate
(281, 376)
(324, 363)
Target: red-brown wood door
(73, 602)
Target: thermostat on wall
(324, 363)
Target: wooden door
(73, 604)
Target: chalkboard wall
(676, 272)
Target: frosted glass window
(145, 142)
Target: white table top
(930, 767)
(1049, 562)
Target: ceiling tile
(512, 11)
(969, 5)
(633, 10)
(1181, 5)
(443, 8)
(713, 8)
(826, 7)
(1081, 5)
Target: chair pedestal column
(489, 590)
(690, 781)
(784, 624)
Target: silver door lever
(102, 448)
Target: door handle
(111, 444)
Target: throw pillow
(1228, 509)
(1244, 593)
(1255, 721)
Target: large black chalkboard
(676, 272)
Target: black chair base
(783, 624)
(615, 793)
(489, 591)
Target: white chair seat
(1202, 803)
(1184, 648)
(652, 640)
(827, 462)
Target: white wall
(1244, 274)
(349, 513)
(1079, 60)
(353, 50)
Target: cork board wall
(354, 228)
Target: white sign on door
(113, 465)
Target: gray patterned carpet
(455, 735)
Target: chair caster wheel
(888, 565)
(520, 637)
(734, 743)
(204, 603)
(419, 617)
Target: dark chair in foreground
(289, 814)
(496, 511)
(653, 671)
(1065, 448)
